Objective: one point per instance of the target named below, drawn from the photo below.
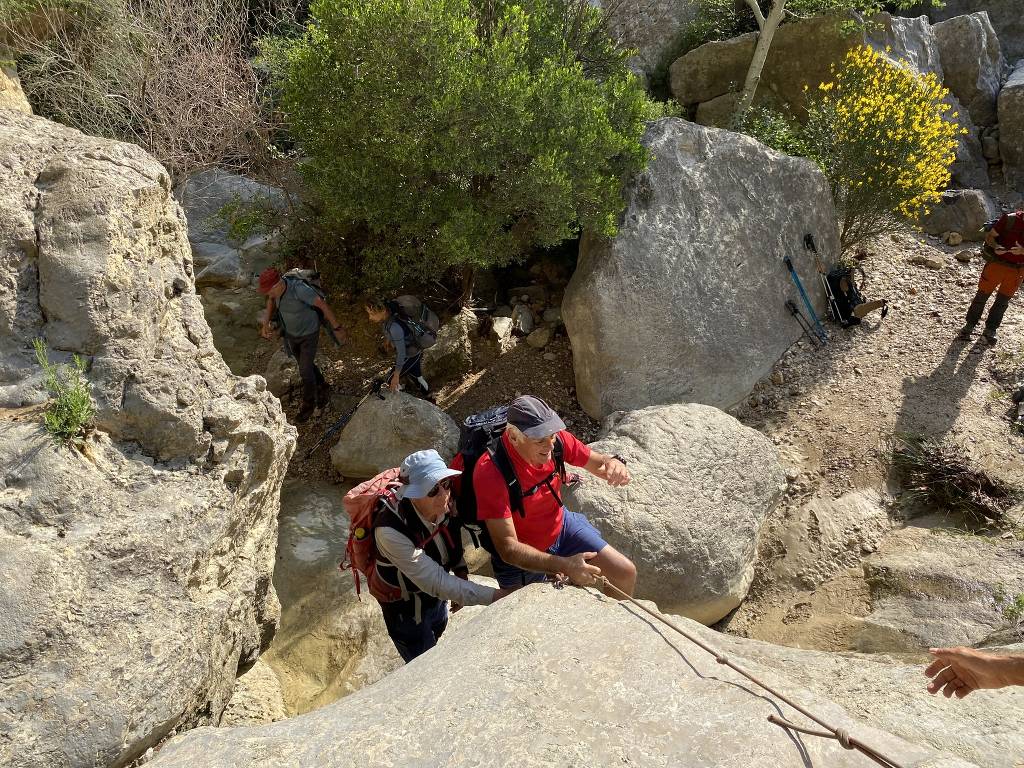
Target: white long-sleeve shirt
(425, 572)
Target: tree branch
(757, 13)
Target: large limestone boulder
(702, 486)
(687, 302)
(592, 682)
(11, 95)
(651, 28)
(802, 53)
(382, 432)
(972, 63)
(224, 257)
(1005, 15)
(961, 210)
(1011, 127)
(135, 572)
(931, 589)
(452, 355)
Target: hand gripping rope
(839, 734)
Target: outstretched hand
(615, 473)
(959, 671)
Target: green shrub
(243, 219)
(463, 133)
(773, 128)
(70, 410)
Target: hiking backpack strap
(516, 494)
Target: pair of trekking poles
(812, 327)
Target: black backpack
(844, 294)
(988, 253)
(481, 433)
(419, 322)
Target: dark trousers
(411, 366)
(303, 349)
(412, 639)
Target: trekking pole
(794, 310)
(819, 329)
(833, 305)
(839, 734)
(375, 387)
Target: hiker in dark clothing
(408, 356)
(1003, 274)
(295, 305)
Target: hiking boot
(989, 336)
(424, 387)
(305, 412)
(995, 318)
(323, 396)
(965, 333)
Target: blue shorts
(577, 535)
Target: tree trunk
(764, 42)
(468, 278)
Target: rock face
(383, 432)
(702, 486)
(1011, 127)
(932, 589)
(257, 698)
(651, 29)
(961, 210)
(972, 63)
(1005, 15)
(136, 573)
(330, 642)
(802, 54)
(452, 355)
(11, 95)
(595, 683)
(687, 302)
(282, 374)
(222, 258)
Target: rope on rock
(839, 734)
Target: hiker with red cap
(299, 309)
(542, 537)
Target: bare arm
(268, 312)
(514, 552)
(959, 671)
(608, 468)
(324, 307)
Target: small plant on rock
(70, 410)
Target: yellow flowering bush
(884, 137)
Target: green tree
(461, 132)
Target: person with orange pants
(1002, 275)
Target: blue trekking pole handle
(819, 329)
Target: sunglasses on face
(445, 484)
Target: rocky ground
(832, 411)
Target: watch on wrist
(619, 458)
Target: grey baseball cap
(534, 417)
(425, 469)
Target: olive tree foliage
(173, 76)
(447, 133)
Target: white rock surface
(571, 678)
(972, 63)
(136, 573)
(702, 485)
(383, 432)
(1011, 128)
(687, 302)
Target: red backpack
(363, 505)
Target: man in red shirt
(1003, 274)
(544, 537)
